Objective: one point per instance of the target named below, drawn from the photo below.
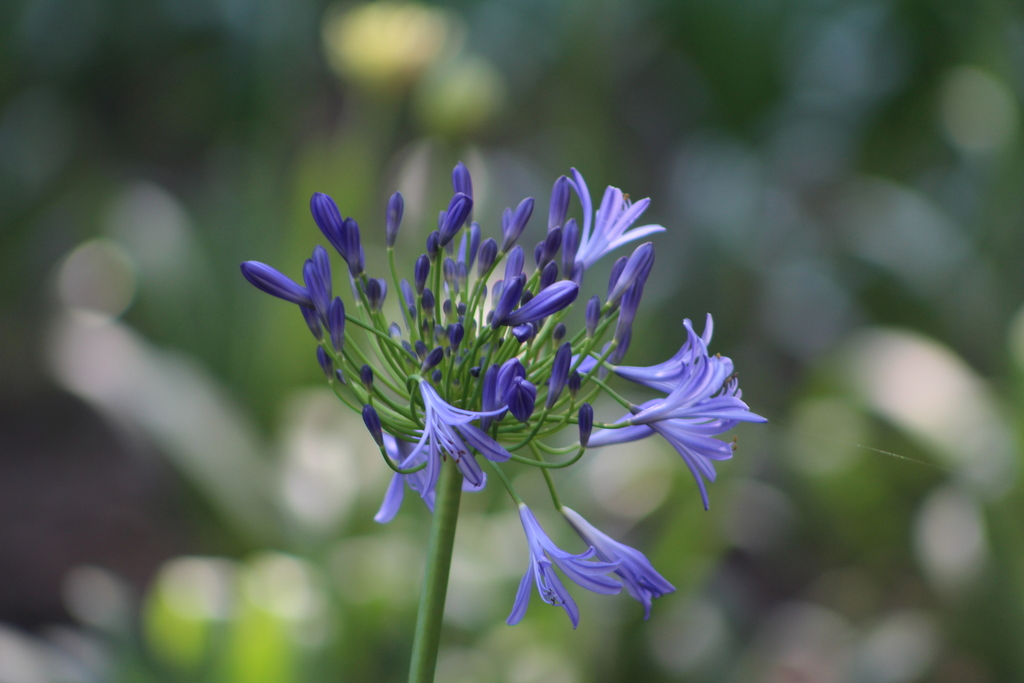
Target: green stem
(435, 579)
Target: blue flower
(448, 429)
(641, 579)
(544, 555)
(703, 402)
(606, 230)
(667, 375)
(422, 482)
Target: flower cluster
(482, 365)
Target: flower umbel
(458, 363)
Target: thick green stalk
(435, 579)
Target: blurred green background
(182, 499)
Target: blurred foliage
(841, 186)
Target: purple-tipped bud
(488, 252)
(409, 296)
(339, 375)
(275, 283)
(617, 268)
(420, 272)
(421, 349)
(586, 423)
(456, 332)
(395, 332)
(522, 333)
(376, 291)
(312, 320)
(427, 302)
(559, 372)
(336, 323)
(432, 359)
(593, 314)
(323, 265)
(449, 312)
(496, 292)
(549, 247)
(436, 375)
(538, 253)
(570, 245)
(638, 265)
(455, 217)
(352, 248)
(461, 276)
(558, 334)
(551, 300)
(449, 270)
(574, 383)
(548, 275)
(516, 223)
(508, 371)
(521, 397)
(525, 298)
(328, 219)
(372, 421)
(433, 245)
(366, 377)
(514, 263)
(474, 244)
(326, 364)
(461, 182)
(393, 218)
(559, 203)
(320, 295)
(509, 300)
(441, 335)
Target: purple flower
(703, 403)
(422, 482)
(513, 223)
(609, 228)
(393, 218)
(667, 375)
(641, 579)
(544, 556)
(448, 429)
(456, 215)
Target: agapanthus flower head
(478, 370)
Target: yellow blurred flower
(387, 45)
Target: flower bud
(559, 373)
(366, 377)
(488, 252)
(326, 364)
(393, 218)
(372, 421)
(432, 359)
(586, 423)
(454, 218)
(570, 245)
(433, 245)
(427, 302)
(548, 275)
(271, 281)
(613, 279)
(521, 397)
(376, 289)
(514, 263)
(593, 316)
(336, 323)
(455, 334)
(574, 383)
(420, 272)
(513, 226)
(559, 203)
(312, 321)
(558, 334)
(461, 180)
(522, 333)
(474, 244)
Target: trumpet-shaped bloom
(448, 430)
(637, 573)
(608, 229)
(703, 403)
(544, 556)
(667, 375)
(422, 482)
